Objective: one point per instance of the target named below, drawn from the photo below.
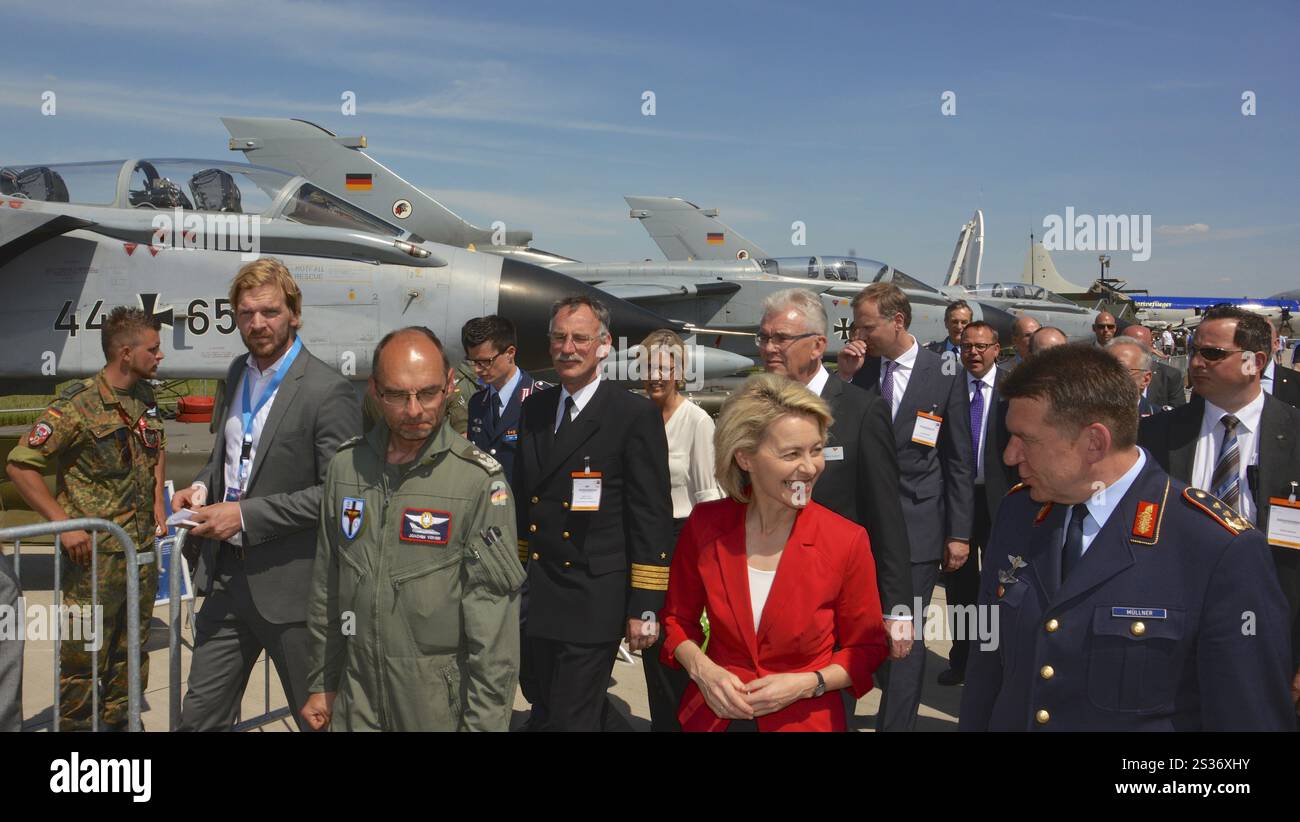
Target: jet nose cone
(528, 292)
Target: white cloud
(1191, 228)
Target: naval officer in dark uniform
(1126, 600)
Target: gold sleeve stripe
(650, 586)
(656, 570)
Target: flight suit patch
(350, 518)
(498, 493)
(423, 525)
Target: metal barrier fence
(134, 559)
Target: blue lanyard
(250, 411)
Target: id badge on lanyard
(249, 413)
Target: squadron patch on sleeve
(39, 434)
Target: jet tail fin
(1040, 270)
(339, 165)
(684, 231)
(964, 268)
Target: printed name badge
(1284, 523)
(926, 430)
(833, 452)
(586, 491)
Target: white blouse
(760, 585)
(690, 458)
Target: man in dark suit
(993, 478)
(1232, 439)
(1277, 380)
(931, 421)
(955, 317)
(594, 506)
(860, 482)
(1166, 386)
(284, 416)
(1120, 592)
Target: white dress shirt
(1266, 379)
(986, 382)
(580, 400)
(818, 382)
(902, 375)
(234, 428)
(1210, 440)
(1102, 505)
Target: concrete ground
(188, 446)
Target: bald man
(1166, 388)
(1104, 327)
(1049, 336)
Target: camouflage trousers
(76, 679)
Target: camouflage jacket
(105, 459)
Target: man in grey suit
(285, 415)
(932, 438)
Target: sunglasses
(1210, 354)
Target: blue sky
(531, 113)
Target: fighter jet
(723, 294)
(168, 235)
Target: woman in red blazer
(789, 586)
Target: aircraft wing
(24, 230)
(666, 289)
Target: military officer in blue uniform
(489, 344)
(1125, 599)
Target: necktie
(1226, 480)
(495, 399)
(564, 418)
(887, 384)
(1073, 550)
(976, 418)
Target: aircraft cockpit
(191, 185)
(1018, 291)
(833, 269)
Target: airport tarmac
(188, 446)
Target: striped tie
(1226, 481)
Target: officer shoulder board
(466, 450)
(1217, 509)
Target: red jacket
(823, 597)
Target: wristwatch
(821, 684)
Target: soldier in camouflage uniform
(105, 439)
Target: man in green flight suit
(414, 608)
(105, 438)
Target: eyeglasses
(483, 365)
(579, 340)
(782, 340)
(426, 397)
(1210, 354)
(978, 348)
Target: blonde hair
(267, 271)
(667, 341)
(746, 416)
